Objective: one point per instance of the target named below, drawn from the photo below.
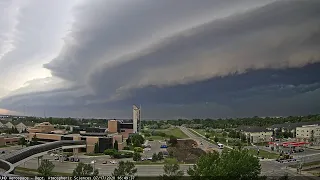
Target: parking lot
(155, 148)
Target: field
(32, 172)
(264, 154)
(167, 133)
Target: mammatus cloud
(116, 50)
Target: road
(104, 169)
(205, 144)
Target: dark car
(301, 150)
(105, 162)
(3, 152)
(66, 159)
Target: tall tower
(136, 116)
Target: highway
(205, 144)
(104, 169)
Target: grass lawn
(173, 132)
(264, 154)
(94, 154)
(32, 172)
(177, 133)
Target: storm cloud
(221, 58)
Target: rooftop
(252, 129)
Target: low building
(308, 133)
(104, 141)
(44, 127)
(8, 140)
(21, 127)
(9, 125)
(256, 134)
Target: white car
(113, 162)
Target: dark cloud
(208, 59)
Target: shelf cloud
(164, 53)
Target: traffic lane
(205, 143)
(106, 169)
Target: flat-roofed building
(256, 134)
(102, 140)
(308, 133)
(113, 126)
(44, 127)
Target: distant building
(256, 134)
(9, 125)
(44, 127)
(308, 133)
(136, 119)
(21, 127)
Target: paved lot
(155, 148)
(9, 149)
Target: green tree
(96, 148)
(109, 152)
(160, 156)
(224, 134)
(115, 145)
(173, 140)
(171, 170)
(136, 143)
(136, 156)
(312, 136)
(154, 157)
(125, 169)
(85, 170)
(138, 149)
(216, 139)
(235, 164)
(46, 167)
(22, 141)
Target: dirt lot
(185, 152)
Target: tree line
(233, 122)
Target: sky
(175, 58)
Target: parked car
(66, 159)
(3, 152)
(56, 158)
(163, 146)
(105, 162)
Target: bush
(117, 155)
(154, 157)
(128, 155)
(126, 148)
(138, 149)
(110, 152)
(136, 156)
(173, 140)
